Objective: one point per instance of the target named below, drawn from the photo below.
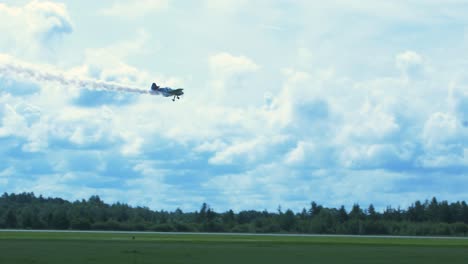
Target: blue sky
(286, 102)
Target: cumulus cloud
(52, 119)
(317, 135)
(5, 174)
(449, 160)
(458, 99)
(228, 65)
(300, 153)
(133, 145)
(262, 187)
(324, 119)
(445, 142)
(247, 150)
(212, 146)
(109, 63)
(440, 129)
(12, 122)
(31, 27)
(392, 157)
(410, 63)
(225, 5)
(384, 127)
(229, 73)
(133, 9)
(371, 123)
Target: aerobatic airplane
(166, 91)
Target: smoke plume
(24, 71)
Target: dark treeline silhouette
(435, 218)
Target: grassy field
(81, 248)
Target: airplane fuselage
(166, 91)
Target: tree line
(434, 218)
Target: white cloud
(410, 63)
(247, 150)
(133, 9)
(109, 63)
(365, 138)
(335, 115)
(150, 169)
(445, 142)
(37, 137)
(375, 156)
(429, 12)
(12, 122)
(440, 129)
(458, 100)
(298, 154)
(266, 186)
(346, 187)
(225, 5)
(29, 29)
(370, 123)
(99, 128)
(210, 146)
(445, 160)
(227, 65)
(133, 146)
(7, 172)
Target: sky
(286, 102)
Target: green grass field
(81, 248)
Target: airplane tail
(154, 87)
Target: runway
(232, 234)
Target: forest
(421, 218)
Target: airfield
(52, 247)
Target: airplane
(166, 91)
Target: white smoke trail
(22, 71)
